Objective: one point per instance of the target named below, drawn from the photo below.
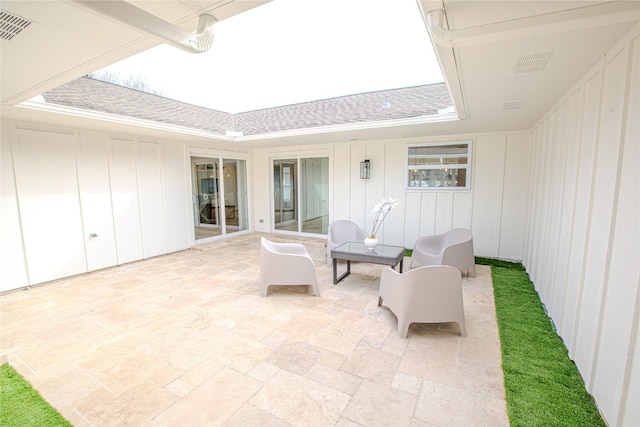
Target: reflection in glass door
(285, 206)
(234, 177)
(220, 196)
(206, 199)
(314, 195)
(301, 193)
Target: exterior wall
(60, 185)
(583, 233)
(494, 208)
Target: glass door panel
(301, 194)
(220, 196)
(314, 195)
(285, 195)
(234, 174)
(206, 198)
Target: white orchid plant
(380, 212)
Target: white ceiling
(67, 41)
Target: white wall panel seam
(589, 216)
(138, 195)
(560, 135)
(616, 197)
(498, 237)
(78, 189)
(575, 124)
(633, 348)
(113, 211)
(14, 142)
(163, 195)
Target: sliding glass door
(220, 196)
(301, 194)
(285, 190)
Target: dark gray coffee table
(355, 251)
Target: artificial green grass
(543, 386)
(21, 405)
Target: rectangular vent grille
(512, 105)
(11, 25)
(531, 62)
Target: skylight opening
(289, 52)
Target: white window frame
(466, 166)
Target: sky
(291, 51)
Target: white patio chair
(286, 264)
(454, 248)
(429, 294)
(341, 231)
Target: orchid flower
(380, 212)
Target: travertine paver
(185, 339)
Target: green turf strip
(543, 386)
(21, 405)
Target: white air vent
(531, 62)
(512, 105)
(11, 25)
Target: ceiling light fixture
(141, 20)
(386, 103)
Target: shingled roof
(96, 95)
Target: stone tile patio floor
(185, 340)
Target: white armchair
(429, 294)
(454, 248)
(341, 231)
(286, 264)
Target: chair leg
(314, 290)
(463, 329)
(403, 328)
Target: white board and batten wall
(583, 235)
(76, 200)
(494, 208)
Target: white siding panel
(514, 203)
(615, 348)
(359, 208)
(394, 185)
(126, 210)
(412, 218)
(444, 212)
(568, 206)
(177, 197)
(374, 188)
(95, 196)
(151, 197)
(462, 209)
(586, 161)
(13, 267)
(488, 173)
(592, 229)
(341, 182)
(49, 204)
(559, 142)
(261, 175)
(533, 218)
(428, 214)
(629, 412)
(605, 182)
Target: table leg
(401, 262)
(336, 279)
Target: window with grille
(442, 165)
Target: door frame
(297, 157)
